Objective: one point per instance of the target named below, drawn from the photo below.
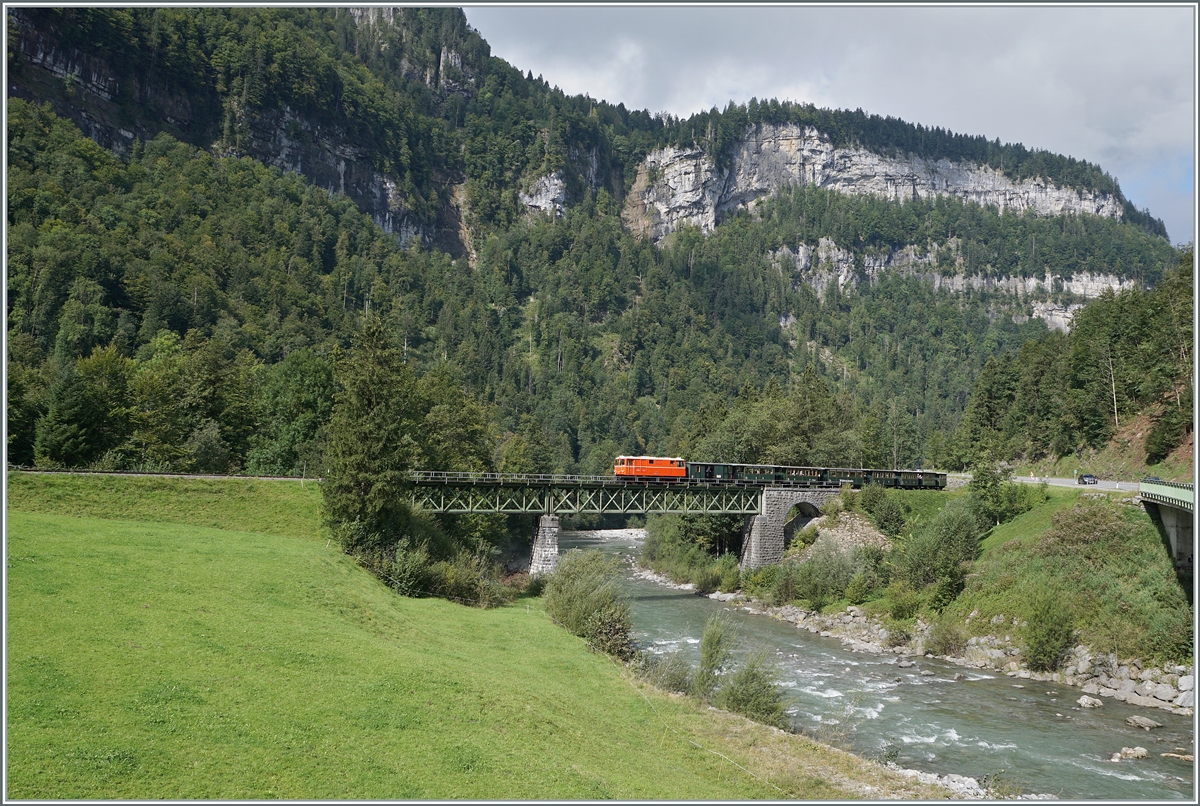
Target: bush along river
(926, 714)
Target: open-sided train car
(658, 467)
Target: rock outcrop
(548, 195)
(683, 186)
(940, 265)
(328, 159)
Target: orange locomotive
(650, 467)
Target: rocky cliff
(677, 186)
(97, 97)
(1051, 297)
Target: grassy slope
(1123, 596)
(289, 508)
(169, 659)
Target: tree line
(1126, 354)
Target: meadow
(174, 638)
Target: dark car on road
(1087, 478)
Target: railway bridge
(549, 496)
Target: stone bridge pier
(764, 538)
(545, 546)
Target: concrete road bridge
(1171, 505)
(549, 496)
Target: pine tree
(373, 440)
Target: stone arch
(764, 540)
(797, 517)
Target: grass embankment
(1100, 560)
(152, 656)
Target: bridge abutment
(1175, 527)
(545, 546)
(764, 538)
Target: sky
(1113, 85)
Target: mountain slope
(395, 107)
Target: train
(673, 468)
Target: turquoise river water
(1031, 734)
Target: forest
(180, 270)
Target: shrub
(946, 637)
(942, 547)
(946, 591)
(536, 585)
(899, 631)
(760, 582)
(868, 560)
(784, 589)
(707, 578)
(903, 601)
(859, 589)
(889, 517)
(1049, 634)
(832, 512)
(716, 650)
(849, 498)
(731, 574)
(998, 499)
(670, 672)
(871, 496)
(409, 571)
(751, 691)
(823, 578)
(583, 595)
(469, 578)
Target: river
(933, 716)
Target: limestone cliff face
(548, 195)
(88, 91)
(327, 159)
(676, 187)
(818, 266)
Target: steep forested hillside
(180, 310)
(414, 98)
(1126, 354)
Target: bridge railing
(447, 477)
(1173, 493)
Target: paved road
(1126, 486)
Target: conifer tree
(373, 439)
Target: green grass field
(153, 656)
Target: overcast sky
(1111, 85)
